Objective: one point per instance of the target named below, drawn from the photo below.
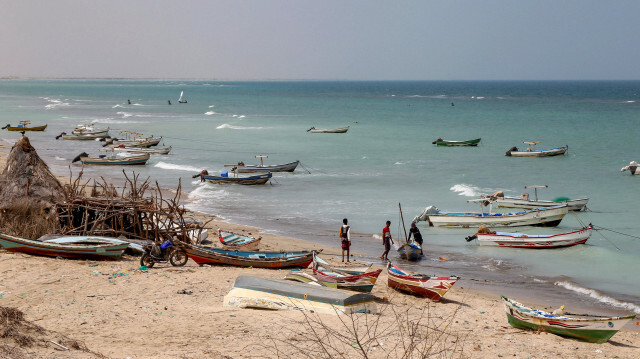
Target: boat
(204, 255)
(359, 282)
(521, 240)
(151, 151)
(632, 168)
(544, 217)
(328, 130)
(524, 201)
(287, 167)
(182, 100)
(585, 327)
(89, 131)
(91, 240)
(448, 143)
(532, 152)
(249, 180)
(65, 136)
(428, 286)
(78, 251)
(409, 250)
(112, 160)
(24, 126)
(235, 241)
(267, 293)
(350, 268)
(140, 142)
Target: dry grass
(27, 218)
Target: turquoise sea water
(385, 158)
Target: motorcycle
(165, 252)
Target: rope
(594, 227)
(305, 168)
(611, 230)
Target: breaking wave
(171, 166)
(226, 125)
(597, 295)
(124, 114)
(466, 190)
(209, 113)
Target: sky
(321, 40)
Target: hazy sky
(328, 40)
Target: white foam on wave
(117, 106)
(377, 236)
(226, 125)
(209, 113)
(60, 158)
(206, 192)
(53, 103)
(597, 295)
(630, 101)
(172, 166)
(115, 121)
(466, 190)
(124, 114)
(212, 106)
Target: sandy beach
(118, 310)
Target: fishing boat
(89, 130)
(82, 137)
(151, 151)
(112, 160)
(235, 241)
(78, 251)
(140, 142)
(632, 168)
(448, 143)
(350, 268)
(359, 282)
(224, 178)
(521, 240)
(24, 126)
(91, 240)
(524, 201)
(585, 327)
(428, 286)
(204, 255)
(287, 167)
(328, 130)
(181, 99)
(544, 217)
(532, 152)
(267, 293)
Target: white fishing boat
(151, 151)
(532, 152)
(632, 168)
(328, 130)
(521, 240)
(524, 201)
(545, 216)
(286, 167)
(181, 99)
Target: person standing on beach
(386, 241)
(345, 236)
(417, 236)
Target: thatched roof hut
(27, 212)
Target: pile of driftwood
(138, 211)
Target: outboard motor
(470, 238)
(60, 135)
(6, 126)
(201, 175)
(514, 148)
(83, 154)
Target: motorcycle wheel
(178, 258)
(147, 261)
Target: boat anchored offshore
(286, 167)
(181, 99)
(447, 143)
(589, 328)
(521, 240)
(328, 130)
(112, 160)
(532, 152)
(632, 168)
(524, 201)
(24, 126)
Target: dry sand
(120, 311)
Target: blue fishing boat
(532, 152)
(237, 241)
(78, 251)
(112, 160)
(205, 255)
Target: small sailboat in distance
(181, 100)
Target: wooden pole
(403, 227)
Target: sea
(385, 160)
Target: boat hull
(590, 329)
(409, 252)
(234, 241)
(332, 130)
(84, 137)
(202, 255)
(469, 143)
(252, 180)
(432, 287)
(319, 263)
(124, 161)
(34, 128)
(154, 151)
(359, 283)
(287, 167)
(266, 293)
(541, 153)
(29, 246)
(545, 217)
(514, 202)
(519, 240)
